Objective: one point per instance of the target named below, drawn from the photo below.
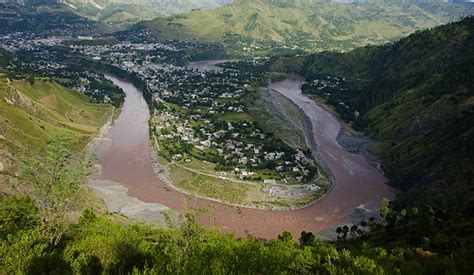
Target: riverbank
(127, 160)
(115, 195)
(327, 132)
(199, 178)
(164, 173)
(208, 65)
(349, 138)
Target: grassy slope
(417, 96)
(30, 113)
(121, 13)
(309, 24)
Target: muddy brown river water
(126, 159)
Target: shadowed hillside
(416, 96)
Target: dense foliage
(95, 245)
(415, 95)
(50, 18)
(5, 58)
(36, 236)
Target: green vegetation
(5, 58)
(53, 183)
(414, 241)
(262, 27)
(210, 186)
(122, 13)
(415, 96)
(44, 16)
(233, 117)
(32, 109)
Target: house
(269, 181)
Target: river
(209, 65)
(126, 160)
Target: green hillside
(261, 26)
(416, 96)
(121, 13)
(29, 113)
(45, 16)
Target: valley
(127, 159)
(247, 137)
(387, 101)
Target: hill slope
(262, 25)
(47, 17)
(122, 12)
(29, 113)
(417, 97)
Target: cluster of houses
(193, 125)
(35, 55)
(201, 123)
(236, 146)
(128, 53)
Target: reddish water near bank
(126, 160)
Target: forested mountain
(416, 96)
(116, 14)
(261, 26)
(46, 16)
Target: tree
(385, 209)
(286, 237)
(345, 230)
(31, 80)
(17, 213)
(354, 230)
(53, 184)
(307, 238)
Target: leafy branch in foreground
(53, 184)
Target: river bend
(126, 159)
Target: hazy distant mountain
(118, 12)
(262, 25)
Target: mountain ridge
(303, 25)
(416, 96)
(122, 13)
